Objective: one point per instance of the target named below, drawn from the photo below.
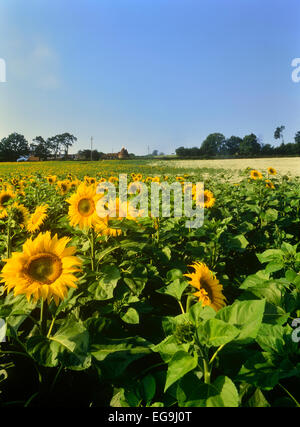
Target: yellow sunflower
(5, 197)
(269, 184)
(114, 211)
(209, 289)
(113, 179)
(74, 184)
(20, 214)
(82, 209)
(43, 270)
(255, 174)
(51, 179)
(272, 171)
(37, 218)
(208, 198)
(64, 186)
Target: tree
(40, 148)
(86, 154)
(232, 145)
(249, 146)
(267, 150)
(61, 142)
(297, 137)
(180, 152)
(279, 133)
(213, 144)
(13, 147)
(155, 153)
(67, 140)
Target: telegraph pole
(92, 139)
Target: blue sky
(157, 73)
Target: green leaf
(271, 337)
(274, 266)
(137, 279)
(259, 371)
(215, 332)
(168, 347)
(43, 351)
(15, 306)
(73, 339)
(258, 400)
(175, 289)
(180, 364)
(148, 388)
(197, 313)
(131, 316)
(114, 355)
(174, 274)
(270, 255)
(255, 280)
(245, 315)
(238, 243)
(110, 276)
(271, 215)
(192, 392)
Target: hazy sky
(163, 73)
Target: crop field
(288, 165)
(131, 309)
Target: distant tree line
(15, 146)
(216, 145)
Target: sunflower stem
(8, 239)
(92, 240)
(55, 378)
(43, 319)
(188, 303)
(216, 353)
(51, 326)
(181, 307)
(206, 371)
(290, 395)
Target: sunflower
(272, 171)
(20, 214)
(64, 186)
(103, 228)
(269, 184)
(5, 197)
(114, 210)
(92, 181)
(37, 218)
(51, 179)
(209, 289)
(255, 174)
(43, 270)
(82, 209)
(113, 179)
(208, 198)
(74, 184)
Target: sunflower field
(145, 312)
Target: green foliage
(134, 335)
